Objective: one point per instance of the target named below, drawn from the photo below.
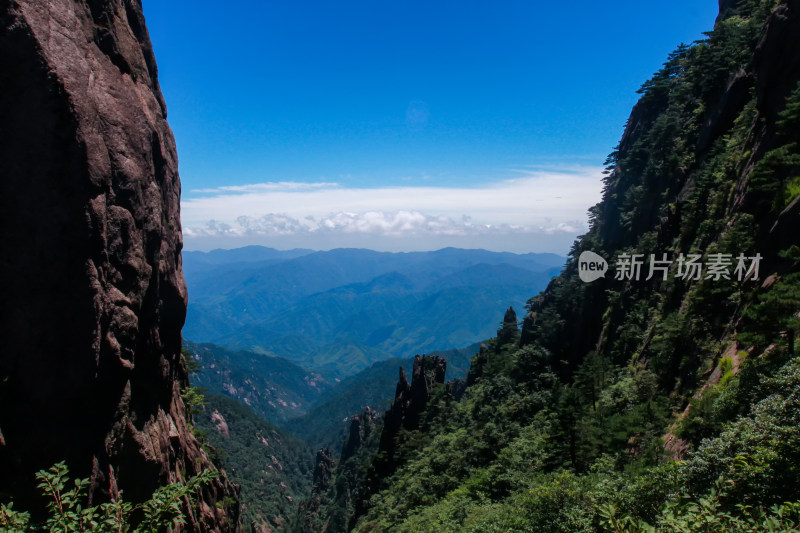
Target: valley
(604, 403)
(647, 381)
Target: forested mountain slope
(271, 467)
(326, 424)
(666, 399)
(273, 388)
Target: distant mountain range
(342, 310)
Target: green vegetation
(326, 424)
(193, 397)
(274, 388)
(272, 468)
(774, 312)
(67, 509)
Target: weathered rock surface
(90, 266)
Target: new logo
(591, 266)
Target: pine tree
(775, 314)
(508, 332)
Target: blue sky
(403, 125)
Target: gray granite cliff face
(93, 295)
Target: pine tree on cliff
(508, 332)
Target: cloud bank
(542, 210)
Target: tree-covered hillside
(659, 399)
(272, 468)
(274, 388)
(326, 424)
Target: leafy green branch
(162, 512)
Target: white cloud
(270, 186)
(551, 204)
(388, 224)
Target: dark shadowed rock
(309, 509)
(426, 372)
(409, 403)
(776, 67)
(322, 469)
(478, 363)
(403, 387)
(456, 388)
(508, 332)
(510, 316)
(361, 427)
(93, 292)
(776, 62)
(721, 117)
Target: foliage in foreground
(706, 515)
(162, 512)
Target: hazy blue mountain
(198, 264)
(245, 254)
(232, 296)
(340, 311)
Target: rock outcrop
(409, 403)
(776, 79)
(93, 292)
(361, 427)
(508, 332)
(478, 363)
(322, 468)
(308, 518)
(456, 388)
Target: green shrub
(162, 512)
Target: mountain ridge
(342, 310)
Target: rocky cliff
(410, 401)
(361, 428)
(90, 266)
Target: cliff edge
(93, 292)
